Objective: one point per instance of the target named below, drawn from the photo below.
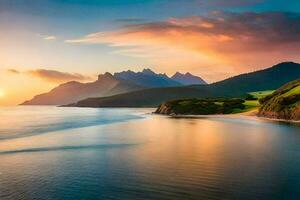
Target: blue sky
(90, 15)
(68, 19)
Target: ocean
(56, 153)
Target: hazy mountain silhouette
(72, 91)
(106, 85)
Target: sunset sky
(47, 42)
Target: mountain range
(147, 78)
(268, 79)
(108, 85)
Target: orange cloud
(222, 42)
(57, 76)
(13, 71)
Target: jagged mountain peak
(148, 71)
(106, 75)
(177, 74)
(147, 78)
(182, 74)
(188, 79)
(106, 84)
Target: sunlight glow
(2, 93)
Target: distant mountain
(188, 79)
(147, 78)
(74, 91)
(106, 85)
(267, 79)
(284, 103)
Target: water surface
(81, 153)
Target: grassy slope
(284, 103)
(254, 104)
(261, 94)
(251, 105)
(293, 91)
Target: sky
(47, 42)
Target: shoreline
(246, 115)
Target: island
(196, 106)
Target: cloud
(52, 75)
(271, 28)
(13, 71)
(46, 37)
(225, 40)
(57, 76)
(50, 37)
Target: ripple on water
(154, 158)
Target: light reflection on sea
(144, 156)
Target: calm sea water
(49, 153)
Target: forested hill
(267, 79)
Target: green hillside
(284, 103)
(267, 79)
(261, 94)
(144, 98)
(238, 86)
(201, 106)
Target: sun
(2, 93)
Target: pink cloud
(222, 42)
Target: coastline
(252, 115)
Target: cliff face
(164, 109)
(284, 103)
(287, 114)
